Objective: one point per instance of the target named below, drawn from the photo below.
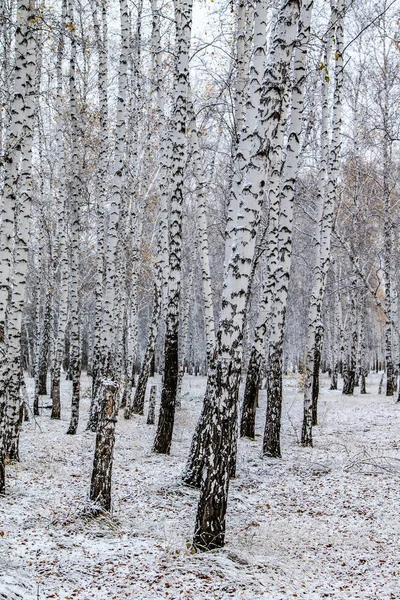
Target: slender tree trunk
(363, 361)
(247, 424)
(152, 405)
(45, 345)
(100, 355)
(327, 194)
(163, 438)
(271, 440)
(185, 313)
(161, 267)
(18, 152)
(203, 239)
(76, 190)
(62, 239)
(26, 95)
(387, 272)
(350, 363)
(319, 335)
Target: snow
(319, 523)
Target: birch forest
(199, 299)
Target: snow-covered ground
(320, 523)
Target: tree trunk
(152, 405)
(76, 191)
(163, 438)
(200, 442)
(223, 379)
(100, 487)
(317, 362)
(250, 399)
(104, 286)
(18, 165)
(271, 441)
(327, 193)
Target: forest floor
(319, 523)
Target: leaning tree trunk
(224, 376)
(163, 438)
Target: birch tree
(271, 441)
(15, 222)
(76, 193)
(223, 376)
(194, 467)
(183, 19)
(327, 194)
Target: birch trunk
(327, 200)
(16, 212)
(76, 192)
(100, 357)
(185, 313)
(100, 487)
(363, 366)
(23, 74)
(161, 267)
(163, 438)
(350, 361)
(271, 441)
(223, 377)
(193, 470)
(250, 399)
(387, 270)
(61, 242)
(241, 107)
(203, 238)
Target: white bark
(76, 193)
(201, 183)
(327, 199)
(183, 19)
(16, 214)
(223, 377)
(248, 121)
(100, 354)
(271, 442)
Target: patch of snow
(320, 523)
